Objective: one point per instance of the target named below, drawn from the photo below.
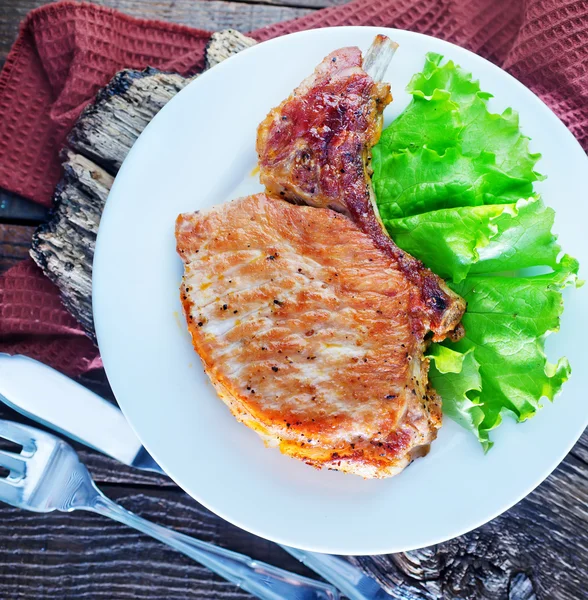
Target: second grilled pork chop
(315, 147)
(307, 330)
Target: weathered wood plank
(523, 554)
(316, 4)
(12, 12)
(88, 557)
(535, 550)
(15, 241)
(580, 450)
(103, 135)
(212, 15)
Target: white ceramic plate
(200, 151)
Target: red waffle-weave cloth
(66, 51)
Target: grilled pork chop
(310, 321)
(314, 149)
(307, 330)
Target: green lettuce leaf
(449, 110)
(446, 149)
(506, 323)
(454, 185)
(410, 183)
(456, 377)
(430, 122)
(481, 239)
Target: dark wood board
(82, 556)
(538, 549)
(212, 15)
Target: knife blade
(56, 401)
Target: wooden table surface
(538, 549)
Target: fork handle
(260, 579)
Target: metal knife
(58, 402)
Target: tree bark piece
(64, 246)
(100, 140)
(108, 128)
(224, 44)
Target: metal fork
(47, 476)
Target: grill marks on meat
(314, 149)
(311, 323)
(311, 148)
(305, 328)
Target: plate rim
(101, 323)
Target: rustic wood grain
(537, 549)
(64, 246)
(81, 556)
(107, 129)
(101, 138)
(212, 15)
(580, 450)
(526, 553)
(298, 3)
(224, 44)
(14, 244)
